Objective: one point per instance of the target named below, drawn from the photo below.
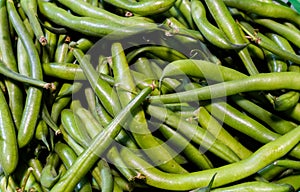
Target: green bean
(266, 9)
(190, 151)
(86, 25)
(14, 90)
(83, 44)
(256, 186)
(286, 101)
(281, 41)
(8, 142)
(213, 34)
(30, 9)
(7, 185)
(275, 122)
(41, 132)
(270, 172)
(29, 182)
(24, 79)
(82, 8)
(176, 29)
(50, 48)
(291, 180)
(201, 69)
(60, 102)
(73, 126)
(103, 90)
(68, 89)
(122, 183)
(227, 24)
(62, 48)
(138, 124)
(34, 95)
(47, 118)
(68, 156)
(213, 126)
(37, 168)
(98, 145)
(163, 52)
(243, 123)
(180, 159)
(144, 8)
(292, 164)
(67, 71)
(49, 175)
(96, 173)
(92, 126)
(184, 7)
(193, 132)
(225, 174)
(114, 157)
(107, 183)
(256, 83)
(143, 65)
(176, 13)
(290, 34)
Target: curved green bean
(213, 34)
(256, 186)
(97, 147)
(266, 9)
(15, 93)
(144, 8)
(257, 82)
(225, 174)
(9, 157)
(34, 95)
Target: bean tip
(43, 41)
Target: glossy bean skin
(209, 31)
(107, 183)
(208, 122)
(247, 84)
(138, 124)
(292, 164)
(193, 132)
(104, 139)
(144, 8)
(30, 9)
(190, 151)
(8, 142)
(292, 180)
(34, 95)
(23, 79)
(275, 122)
(37, 168)
(73, 126)
(103, 90)
(256, 186)
(41, 132)
(268, 44)
(289, 34)
(86, 25)
(14, 89)
(49, 176)
(225, 174)
(88, 10)
(200, 69)
(163, 52)
(266, 9)
(68, 156)
(227, 24)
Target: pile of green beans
(151, 95)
